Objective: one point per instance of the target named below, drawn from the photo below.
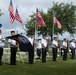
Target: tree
(65, 13)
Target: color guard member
(1, 45)
(13, 49)
(39, 48)
(65, 49)
(44, 46)
(54, 48)
(73, 49)
(31, 53)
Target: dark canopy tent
(24, 45)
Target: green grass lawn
(38, 68)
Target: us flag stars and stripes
(17, 16)
(40, 21)
(55, 21)
(11, 10)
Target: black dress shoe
(0, 64)
(12, 64)
(30, 62)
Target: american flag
(55, 21)
(10, 9)
(17, 16)
(59, 24)
(40, 21)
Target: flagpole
(16, 29)
(53, 23)
(53, 27)
(35, 34)
(35, 29)
(18, 18)
(11, 10)
(9, 29)
(24, 27)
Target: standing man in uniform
(31, 53)
(72, 49)
(13, 49)
(39, 48)
(44, 46)
(61, 48)
(64, 49)
(1, 45)
(54, 49)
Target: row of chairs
(20, 56)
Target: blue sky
(25, 8)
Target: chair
(48, 56)
(6, 56)
(70, 52)
(35, 57)
(18, 56)
(23, 56)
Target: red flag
(10, 9)
(40, 21)
(17, 16)
(55, 21)
(59, 24)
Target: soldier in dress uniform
(54, 48)
(39, 48)
(72, 49)
(31, 52)
(65, 49)
(13, 49)
(1, 45)
(61, 48)
(44, 48)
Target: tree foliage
(65, 13)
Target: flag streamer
(17, 16)
(55, 21)
(11, 10)
(39, 18)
